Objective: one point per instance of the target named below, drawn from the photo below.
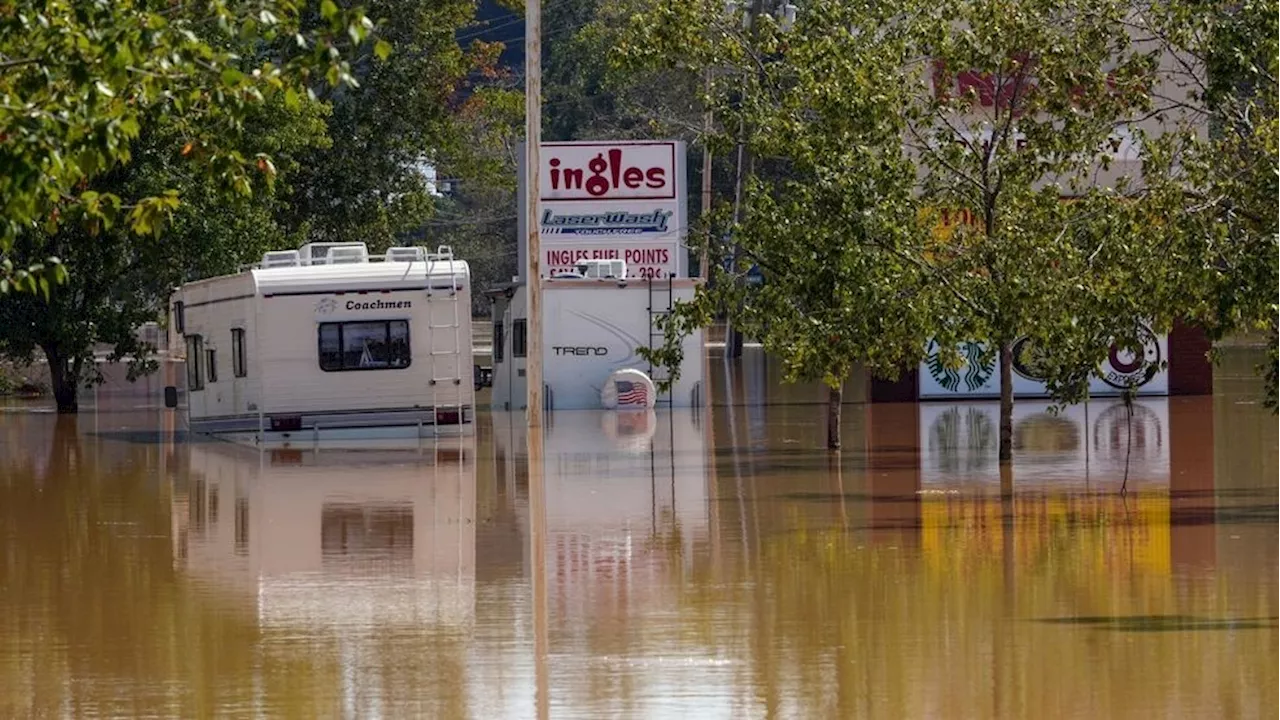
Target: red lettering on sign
(646, 256)
(606, 174)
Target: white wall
(590, 330)
(291, 364)
(211, 310)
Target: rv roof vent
(347, 254)
(406, 254)
(281, 258)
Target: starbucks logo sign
(1131, 367)
(975, 372)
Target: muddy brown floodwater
(689, 565)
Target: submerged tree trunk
(64, 380)
(1006, 401)
(835, 397)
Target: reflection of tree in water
(958, 438)
(1046, 433)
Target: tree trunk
(64, 381)
(1006, 401)
(834, 398)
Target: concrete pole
(532, 168)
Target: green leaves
(98, 72)
(1081, 174)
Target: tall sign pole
(533, 224)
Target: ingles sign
(614, 199)
(590, 171)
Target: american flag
(630, 393)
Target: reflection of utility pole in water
(538, 562)
(730, 394)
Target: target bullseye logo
(1131, 367)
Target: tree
(121, 278)
(819, 109)
(1217, 178)
(79, 80)
(420, 111)
(881, 122)
(1018, 130)
(396, 108)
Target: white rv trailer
(326, 343)
(592, 325)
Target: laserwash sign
(610, 201)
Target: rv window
(379, 345)
(499, 338)
(519, 331)
(195, 354)
(238, 366)
(212, 362)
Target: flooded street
(688, 565)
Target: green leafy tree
(122, 279)
(80, 80)
(1217, 179)
(1018, 129)
(818, 107)
(428, 107)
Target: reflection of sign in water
(1115, 435)
(959, 442)
(1046, 433)
(1105, 536)
(961, 438)
(974, 373)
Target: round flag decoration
(628, 389)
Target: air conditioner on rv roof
(405, 254)
(281, 258)
(318, 253)
(347, 254)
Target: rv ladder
(447, 403)
(661, 298)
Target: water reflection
(370, 541)
(715, 565)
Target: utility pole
(532, 169)
(706, 180)
(533, 348)
(733, 343)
